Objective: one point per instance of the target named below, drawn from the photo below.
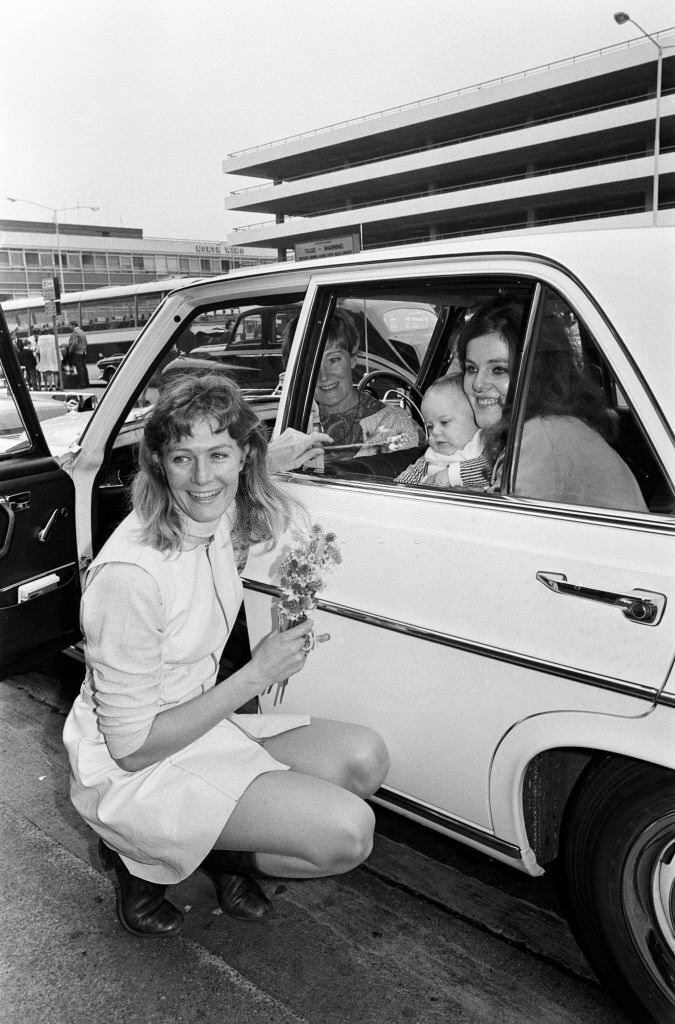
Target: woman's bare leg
(351, 756)
(300, 826)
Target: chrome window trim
(649, 522)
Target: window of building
(47, 260)
(225, 266)
(113, 261)
(72, 260)
(100, 261)
(194, 265)
(160, 263)
(172, 264)
(16, 257)
(149, 264)
(125, 261)
(32, 259)
(4, 258)
(146, 306)
(184, 264)
(87, 259)
(137, 262)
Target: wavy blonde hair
(262, 509)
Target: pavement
(403, 940)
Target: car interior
(438, 352)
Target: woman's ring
(308, 643)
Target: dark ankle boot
(239, 895)
(141, 907)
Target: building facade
(568, 143)
(85, 256)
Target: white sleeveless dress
(154, 627)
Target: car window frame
(17, 391)
(542, 273)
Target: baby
(454, 457)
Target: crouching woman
(162, 768)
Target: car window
(262, 326)
(246, 342)
(405, 337)
(558, 428)
(581, 441)
(13, 436)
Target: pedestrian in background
(29, 362)
(48, 360)
(77, 354)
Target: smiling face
(448, 418)
(487, 375)
(202, 471)
(334, 391)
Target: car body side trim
(436, 819)
(647, 693)
(512, 504)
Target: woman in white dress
(162, 768)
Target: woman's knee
(346, 841)
(368, 763)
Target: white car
(515, 652)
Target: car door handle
(5, 542)
(642, 606)
(44, 533)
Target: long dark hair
(262, 509)
(563, 385)
(503, 316)
(560, 383)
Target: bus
(110, 317)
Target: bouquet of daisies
(301, 578)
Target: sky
(132, 105)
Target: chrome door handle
(44, 533)
(5, 543)
(642, 606)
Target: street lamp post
(621, 18)
(55, 211)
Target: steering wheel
(410, 394)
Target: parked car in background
(516, 653)
(57, 411)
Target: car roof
(630, 272)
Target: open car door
(39, 577)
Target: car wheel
(618, 878)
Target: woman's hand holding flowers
(280, 655)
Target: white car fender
(649, 737)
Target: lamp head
(621, 17)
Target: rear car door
(39, 578)
(449, 620)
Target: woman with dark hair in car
(350, 416)
(565, 451)
(163, 768)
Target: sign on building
(336, 246)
